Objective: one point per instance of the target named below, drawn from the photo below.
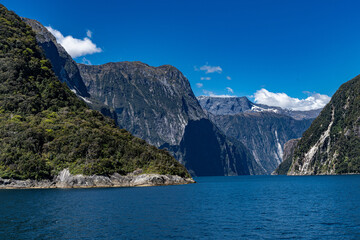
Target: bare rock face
(153, 103)
(66, 180)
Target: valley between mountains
(158, 105)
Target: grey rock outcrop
(66, 180)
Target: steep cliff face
(62, 64)
(289, 148)
(158, 105)
(263, 133)
(154, 103)
(331, 145)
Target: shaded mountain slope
(331, 145)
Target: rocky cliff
(154, 103)
(331, 145)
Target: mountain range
(157, 104)
(209, 135)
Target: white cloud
(211, 94)
(229, 90)
(75, 47)
(313, 101)
(199, 85)
(209, 69)
(228, 77)
(89, 33)
(205, 78)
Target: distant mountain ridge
(235, 105)
(262, 129)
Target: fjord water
(244, 207)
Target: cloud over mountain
(313, 101)
(75, 47)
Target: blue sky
(294, 47)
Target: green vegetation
(344, 152)
(45, 128)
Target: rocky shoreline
(66, 180)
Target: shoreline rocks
(66, 180)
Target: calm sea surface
(245, 207)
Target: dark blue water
(245, 207)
